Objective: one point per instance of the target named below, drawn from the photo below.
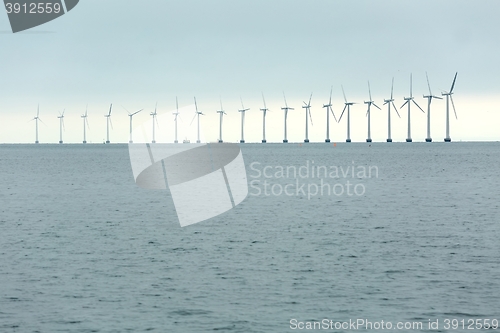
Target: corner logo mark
(205, 180)
(25, 15)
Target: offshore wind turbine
(222, 113)
(130, 115)
(408, 101)
(308, 111)
(108, 121)
(154, 114)
(242, 110)
(348, 107)
(286, 109)
(264, 111)
(197, 115)
(36, 119)
(448, 98)
(85, 125)
(368, 112)
(61, 126)
(176, 114)
(328, 109)
(429, 100)
(390, 102)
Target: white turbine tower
(130, 115)
(368, 113)
(308, 111)
(108, 121)
(222, 113)
(328, 110)
(429, 100)
(390, 102)
(242, 110)
(85, 125)
(36, 119)
(448, 97)
(264, 112)
(408, 101)
(348, 107)
(154, 114)
(61, 126)
(286, 109)
(176, 114)
(197, 115)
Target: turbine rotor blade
(396, 109)
(369, 91)
(411, 85)
(453, 104)
(264, 100)
(404, 104)
(333, 113)
(110, 122)
(428, 84)
(110, 107)
(309, 104)
(310, 117)
(193, 118)
(345, 107)
(453, 84)
(392, 86)
(375, 105)
(331, 90)
(418, 106)
(286, 104)
(343, 92)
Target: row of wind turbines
(308, 117)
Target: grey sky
(134, 53)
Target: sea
(392, 233)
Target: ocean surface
(84, 249)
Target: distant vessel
(186, 141)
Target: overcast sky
(137, 53)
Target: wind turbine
(368, 113)
(242, 110)
(264, 110)
(448, 97)
(130, 115)
(36, 119)
(85, 125)
(390, 102)
(328, 110)
(348, 107)
(154, 114)
(61, 126)
(408, 101)
(429, 100)
(108, 121)
(176, 114)
(197, 115)
(308, 110)
(286, 108)
(222, 113)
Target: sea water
(84, 249)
